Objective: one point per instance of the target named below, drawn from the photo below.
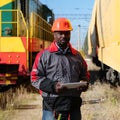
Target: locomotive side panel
(23, 33)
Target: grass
(14, 97)
(11, 101)
(105, 105)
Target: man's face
(62, 38)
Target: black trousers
(65, 107)
(74, 113)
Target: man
(58, 64)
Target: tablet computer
(74, 84)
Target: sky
(78, 12)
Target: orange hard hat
(61, 24)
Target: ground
(100, 102)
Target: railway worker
(60, 63)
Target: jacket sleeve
(85, 75)
(38, 76)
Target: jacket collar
(53, 48)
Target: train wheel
(112, 77)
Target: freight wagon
(104, 38)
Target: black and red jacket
(52, 65)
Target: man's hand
(83, 87)
(59, 88)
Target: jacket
(52, 65)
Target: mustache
(65, 39)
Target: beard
(63, 43)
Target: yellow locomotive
(25, 29)
(104, 38)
